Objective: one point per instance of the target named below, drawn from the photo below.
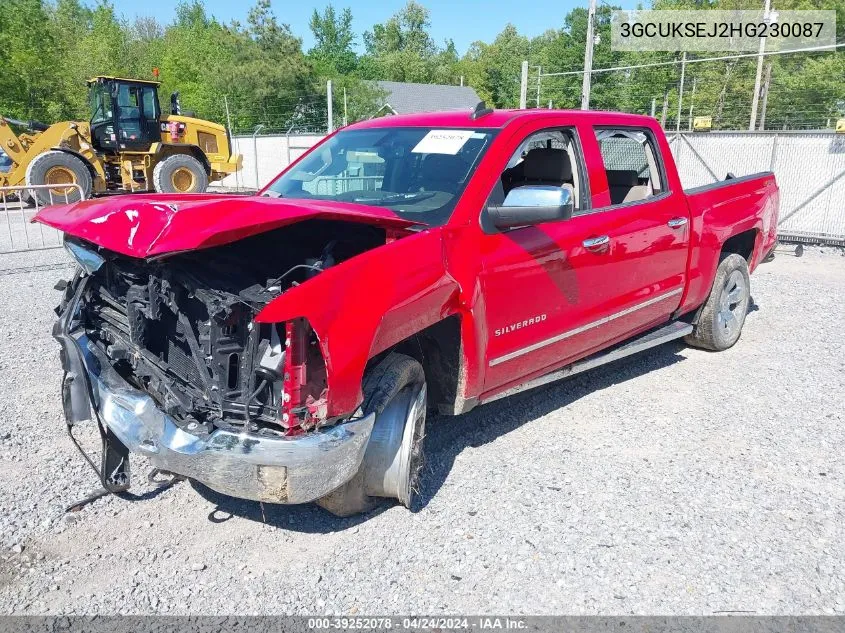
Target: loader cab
(125, 114)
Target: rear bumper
(262, 468)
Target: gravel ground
(677, 482)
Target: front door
(137, 122)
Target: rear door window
(631, 164)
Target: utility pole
(588, 56)
(258, 128)
(692, 103)
(345, 118)
(330, 125)
(523, 86)
(653, 106)
(231, 149)
(756, 97)
(766, 86)
(539, 76)
(681, 91)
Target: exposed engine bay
(181, 328)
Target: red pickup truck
(285, 347)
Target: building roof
(408, 98)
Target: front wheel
(395, 390)
(723, 315)
(60, 170)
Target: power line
(696, 60)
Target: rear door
(646, 226)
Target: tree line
(257, 72)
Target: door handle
(596, 243)
(676, 223)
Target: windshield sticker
(442, 142)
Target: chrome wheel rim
(732, 305)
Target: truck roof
(497, 119)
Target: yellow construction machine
(127, 146)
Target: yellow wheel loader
(127, 146)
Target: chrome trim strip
(589, 326)
(670, 332)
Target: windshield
(99, 103)
(418, 173)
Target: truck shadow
(448, 437)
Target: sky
(464, 21)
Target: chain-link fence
(809, 168)
(305, 112)
(301, 112)
(264, 156)
(798, 91)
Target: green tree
(29, 59)
(493, 69)
(333, 52)
(48, 48)
(401, 49)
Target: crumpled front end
(263, 467)
(167, 355)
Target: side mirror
(175, 104)
(535, 204)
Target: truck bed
(722, 209)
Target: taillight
(304, 387)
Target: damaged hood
(147, 225)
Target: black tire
(723, 315)
(385, 382)
(57, 167)
(180, 173)
(26, 198)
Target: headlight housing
(90, 261)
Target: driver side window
(548, 158)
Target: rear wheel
(58, 168)
(180, 173)
(395, 391)
(722, 317)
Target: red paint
(173, 126)
(368, 303)
(147, 225)
(294, 372)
